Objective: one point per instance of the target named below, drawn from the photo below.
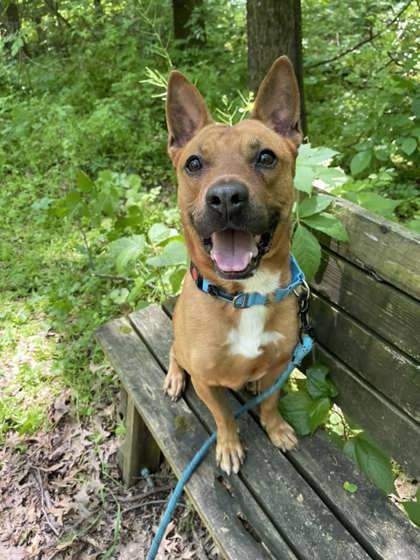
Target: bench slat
(301, 517)
(382, 365)
(392, 429)
(382, 308)
(390, 250)
(179, 435)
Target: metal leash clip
(303, 297)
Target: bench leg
(139, 449)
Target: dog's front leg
(279, 431)
(175, 379)
(229, 450)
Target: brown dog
(235, 193)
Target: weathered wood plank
(179, 434)
(379, 363)
(379, 525)
(302, 518)
(392, 429)
(391, 251)
(385, 310)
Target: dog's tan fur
(204, 326)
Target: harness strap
(243, 300)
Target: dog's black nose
(227, 199)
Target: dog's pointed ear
(278, 101)
(186, 113)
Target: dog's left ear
(278, 101)
(186, 113)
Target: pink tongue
(232, 249)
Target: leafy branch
(364, 41)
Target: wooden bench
(367, 319)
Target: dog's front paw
(175, 382)
(229, 454)
(281, 434)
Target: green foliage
(308, 408)
(413, 509)
(372, 461)
(350, 487)
(363, 93)
(310, 212)
(307, 250)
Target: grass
(51, 306)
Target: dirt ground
(62, 497)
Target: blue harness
(243, 301)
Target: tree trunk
(11, 18)
(274, 28)
(98, 7)
(182, 12)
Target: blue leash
(301, 350)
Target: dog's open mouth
(236, 253)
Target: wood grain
(390, 251)
(380, 307)
(393, 430)
(382, 365)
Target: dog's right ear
(186, 113)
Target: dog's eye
(266, 158)
(193, 165)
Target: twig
(371, 37)
(137, 497)
(151, 503)
(87, 247)
(113, 277)
(54, 9)
(38, 479)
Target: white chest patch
(250, 335)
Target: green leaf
(329, 224)
(307, 251)
(360, 162)
(83, 181)
(176, 279)
(409, 145)
(119, 296)
(304, 413)
(413, 509)
(318, 384)
(414, 224)
(331, 176)
(350, 487)
(378, 204)
(319, 412)
(305, 175)
(295, 408)
(372, 462)
(159, 233)
(126, 250)
(315, 156)
(173, 253)
(314, 205)
(416, 107)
